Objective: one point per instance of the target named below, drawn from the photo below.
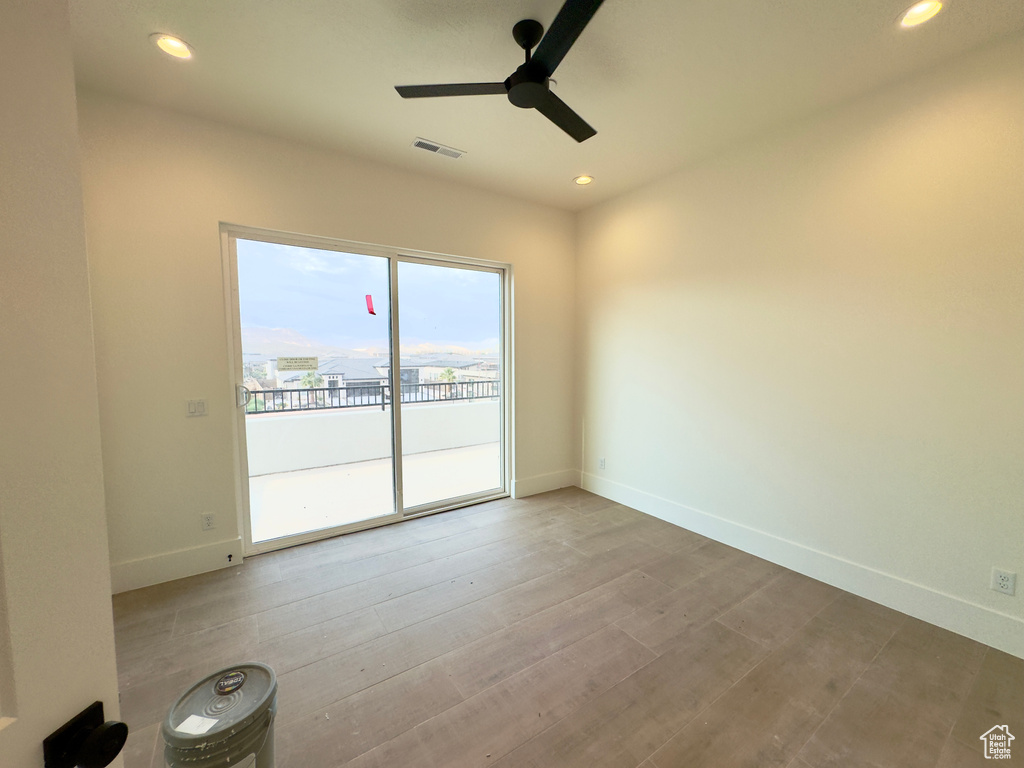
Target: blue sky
(322, 295)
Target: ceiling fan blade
(559, 113)
(455, 89)
(562, 33)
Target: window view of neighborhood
(317, 368)
(340, 382)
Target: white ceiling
(664, 82)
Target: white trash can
(227, 719)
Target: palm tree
(312, 379)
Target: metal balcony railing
(323, 398)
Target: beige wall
(56, 629)
(813, 346)
(157, 185)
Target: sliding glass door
(450, 320)
(314, 368)
(371, 384)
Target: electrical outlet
(600, 463)
(1004, 581)
(208, 521)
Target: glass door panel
(450, 332)
(316, 355)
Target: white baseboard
(977, 622)
(552, 481)
(146, 571)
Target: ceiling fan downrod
(527, 33)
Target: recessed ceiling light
(584, 180)
(171, 45)
(920, 13)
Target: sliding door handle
(242, 396)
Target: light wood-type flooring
(563, 630)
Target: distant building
(353, 381)
(358, 380)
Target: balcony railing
(323, 398)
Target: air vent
(438, 149)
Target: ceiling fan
(528, 87)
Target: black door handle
(85, 741)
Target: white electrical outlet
(208, 521)
(1004, 581)
(600, 463)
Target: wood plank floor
(562, 630)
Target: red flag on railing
(369, 304)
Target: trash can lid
(220, 705)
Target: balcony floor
(290, 503)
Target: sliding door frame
(229, 234)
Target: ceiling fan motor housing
(527, 86)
